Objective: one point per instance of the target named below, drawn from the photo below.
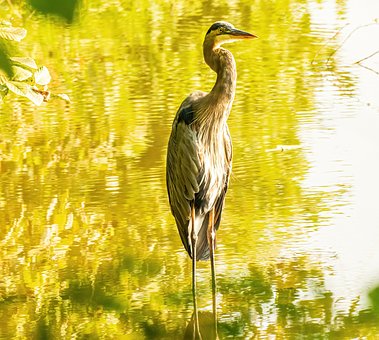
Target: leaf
(3, 77)
(5, 64)
(25, 62)
(3, 92)
(12, 33)
(64, 8)
(45, 94)
(20, 74)
(24, 90)
(5, 23)
(42, 76)
(63, 96)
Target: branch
(368, 68)
(348, 37)
(371, 55)
(327, 42)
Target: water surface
(89, 249)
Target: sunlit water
(89, 248)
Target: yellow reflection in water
(88, 245)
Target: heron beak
(241, 34)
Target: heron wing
(228, 168)
(183, 166)
(186, 181)
(203, 246)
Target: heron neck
(224, 88)
(220, 99)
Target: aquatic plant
(21, 75)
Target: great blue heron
(199, 155)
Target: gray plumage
(199, 155)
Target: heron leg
(211, 242)
(194, 293)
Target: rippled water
(89, 248)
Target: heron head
(222, 32)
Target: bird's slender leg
(211, 242)
(194, 293)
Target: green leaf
(12, 33)
(5, 63)
(24, 90)
(42, 76)
(25, 62)
(64, 8)
(20, 74)
(3, 92)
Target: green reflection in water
(88, 246)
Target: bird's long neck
(222, 62)
(218, 102)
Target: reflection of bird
(199, 155)
(206, 327)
